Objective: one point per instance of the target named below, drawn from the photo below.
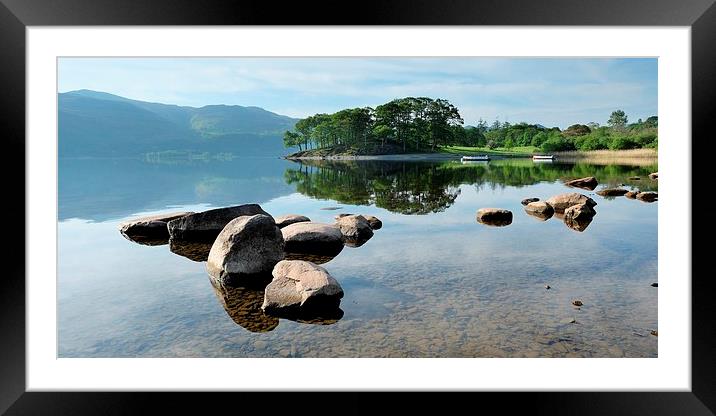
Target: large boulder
(208, 224)
(300, 284)
(578, 217)
(356, 230)
(540, 210)
(289, 219)
(494, 216)
(647, 196)
(563, 201)
(150, 230)
(612, 192)
(313, 238)
(249, 246)
(529, 200)
(589, 183)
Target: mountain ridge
(96, 123)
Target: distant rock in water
(589, 183)
(248, 247)
(289, 219)
(529, 200)
(373, 221)
(563, 201)
(331, 208)
(356, 230)
(313, 238)
(578, 217)
(647, 196)
(193, 250)
(632, 194)
(208, 224)
(612, 192)
(654, 175)
(634, 178)
(494, 216)
(540, 210)
(243, 305)
(151, 230)
(300, 285)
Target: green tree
(618, 119)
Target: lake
(433, 282)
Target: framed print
(430, 198)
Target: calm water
(431, 283)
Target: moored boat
(542, 157)
(475, 158)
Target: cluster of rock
(250, 252)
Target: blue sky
(549, 91)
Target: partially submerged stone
(540, 210)
(374, 222)
(529, 200)
(578, 217)
(207, 225)
(355, 230)
(647, 196)
(243, 305)
(632, 194)
(150, 230)
(589, 183)
(313, 238)
(300, 284)
(563, 201)
(654, 175)
(193, 250)
(612, 192)
(289, 219)
(494, 216)
(249, 246)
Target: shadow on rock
(316, 258)
(243, 304)
(193, 250)
(146, 241)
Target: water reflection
(146, 241)
(429, 187)
(193, 250)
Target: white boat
(475, 158)
(542, 157)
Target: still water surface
(431, 283)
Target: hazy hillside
(92, 123)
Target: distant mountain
(93, 123)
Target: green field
(470, 151)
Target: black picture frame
(16, 15)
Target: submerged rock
(300, 284)
(313, 238)
(193, 250)
(647, 196)
(589, 183)
(578, 217)
(540, 210)
(208, 224)
(529, 200)
(289, 219)
(494, 216)
(577, 302)
(247, 247)
(612, 192)
(243, 305)
(355, 230)
(563, 201)
(150, 230)
(632, 194)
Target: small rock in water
(647, 196)
(528, 200)
(547, 287)
(632, 194)
(494, 216)
(331, 208)
(654, 175)
(612, 191)
(654, 333)
(577, 303)
(589, 183)
(634, 178)
(286, 220)
(654, 285)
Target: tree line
(426, 124)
